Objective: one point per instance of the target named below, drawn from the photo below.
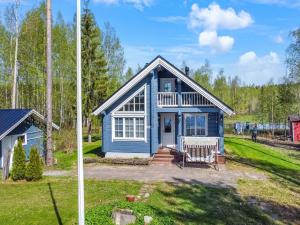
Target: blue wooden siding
(127, 146)
(35, 136)
(215, 125)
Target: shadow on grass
(289, 174)
(96, 151)
(59, 221)
(192, 202)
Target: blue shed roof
(11, 118)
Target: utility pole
(79, 122)
(49, 153)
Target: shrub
(34, 169)
(19, 163)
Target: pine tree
(128, 74)
(94, 70)
(34, 169)
(19, 163)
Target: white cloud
(139, 4)
(217, 43)
(214, 17)
(259, 69)
(278, 39)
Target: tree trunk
(15, 74)
(49, 155)
(89, 122)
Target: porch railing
(200, 149)
(167, 98)
(188, 99)
(194, 99)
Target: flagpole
(79, 122)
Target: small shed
(21, 124)
(294, 124)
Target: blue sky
(247, 38)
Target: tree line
(102, 54)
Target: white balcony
(169, 99)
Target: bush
(102, 214)
(19, 163)
(34, 169)
(65, 140)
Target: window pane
(136, 104)
(190, 125)
(129, 128)
(167, 87)
(168, 125)
(139, 127)
(119, 127)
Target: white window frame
(25, 138)
(116, 110)
(195, 114)
(134, 114)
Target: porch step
(165, 156)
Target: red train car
(294, 122)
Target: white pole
(79, 122)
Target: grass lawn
(66, 161)
(271, 201)
(279, 195)
(54, 201)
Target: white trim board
(143, 73)
(126, 155)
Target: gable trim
(24, 118)
(144, 72)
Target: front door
(167, 125)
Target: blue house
(161, 107)
(21, 124)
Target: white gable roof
(175, 71)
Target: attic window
(136, 104)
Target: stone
(147, 219)
(146, 195)
(123, 216)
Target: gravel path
(224, 177)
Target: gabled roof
(11, 118)
(175, 71)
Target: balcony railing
(169, 99)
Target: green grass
(54, 200)
(280, 194)
(67, 161)
(265, 158)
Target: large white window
(195, 124)
(129, 119)
(129, 128)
